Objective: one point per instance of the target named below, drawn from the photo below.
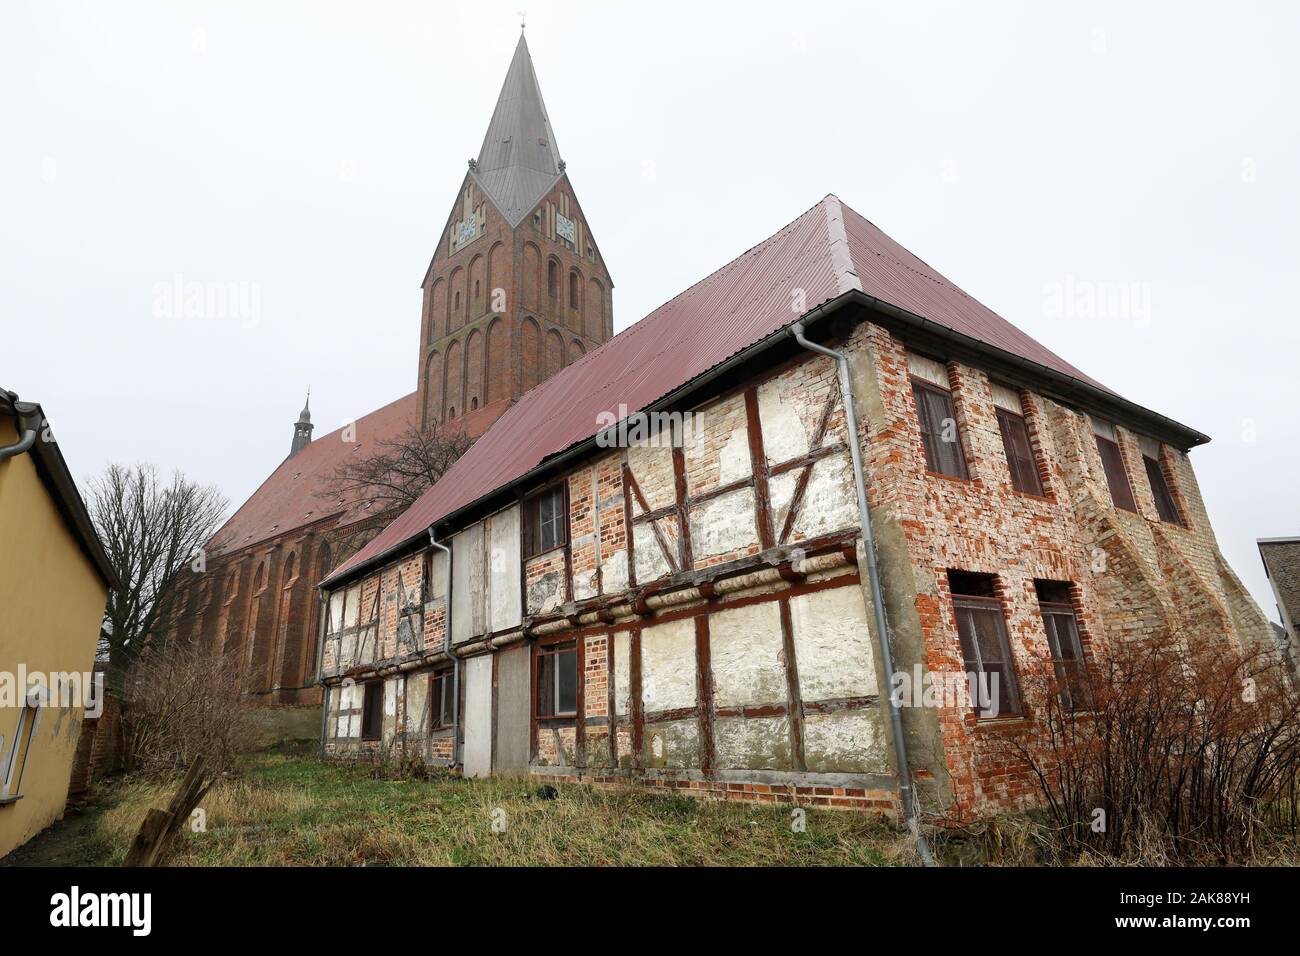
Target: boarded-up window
(985, 648)
(1020, 454)
(544, 520)
(372, 711)
(442, 700)
(1062, 629)
(557, 681)
(1166, 506)
(939, 435)
(1112, 462)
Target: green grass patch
(285, 810)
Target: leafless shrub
(388, 480)
(400, 469)
(1189, 753)
(180, 702)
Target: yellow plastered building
(54, 581)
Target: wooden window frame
(1104, 443)
(1155, 470)
(556, 650)
(533, 525)
(1074, 692)
(1008, 419)
(923, 422)
(368, 733)
(445, 683)
(971, 603)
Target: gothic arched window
(552, 279)
(573, 290)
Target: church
(883, 478)
(516, 290)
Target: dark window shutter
(986, 651)
(1020, 454)
(372, 712)
(935, 414)
(1166, 507)
(1067, 657)
(1112, 462)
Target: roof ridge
(734, 261)
(846, 276)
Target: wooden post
(160, 826)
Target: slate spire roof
(519, 161)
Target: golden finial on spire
(523, 19)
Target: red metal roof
(827, 251)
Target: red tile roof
(290, 497)
(828, 251)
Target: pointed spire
(302, 428)
(519, 160)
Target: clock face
(468, 230)
(565, 228)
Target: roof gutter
(28, 425)
(54, 474)
(1067, 386)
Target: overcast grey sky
(310, 152)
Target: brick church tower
(517, 288)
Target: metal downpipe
(906, 791)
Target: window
(943, 453)
(573, 290)
(457, 300)
(544, 520)
(13, 762)
(984, 645)
(557, 681)
(1063, 639)
(1166, 506)
(442, 700)
(372, 711)
(552, 279)
(1015, 441)
(1112, 462)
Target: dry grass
(297, 811)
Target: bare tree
(400, 469)
(151, 531)
(184, 701)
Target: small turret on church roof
(302, 428)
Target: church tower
(517, 288)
